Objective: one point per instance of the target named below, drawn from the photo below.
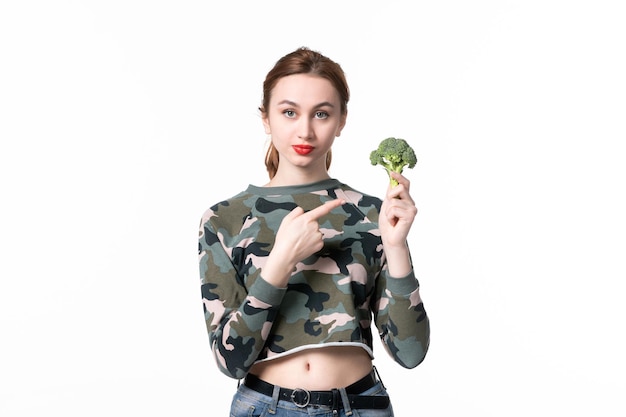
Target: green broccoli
(393, 154)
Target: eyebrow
(294, 104)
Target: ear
(266, 125)
(342, 124)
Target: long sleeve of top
(332, 297)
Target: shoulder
(238, 199)
(358, 198)
(366, 204)
(229, 211)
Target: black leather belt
(303, 398)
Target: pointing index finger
(324, 209)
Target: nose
(305, 130)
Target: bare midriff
(316, 369)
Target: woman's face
(303, 119)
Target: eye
(289, 113)
(321, 115)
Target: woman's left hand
(397, 214)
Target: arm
(238, 318)
(401, 319)
(400, 315)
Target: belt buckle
(300, 404)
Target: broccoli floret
(393, 154)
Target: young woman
(294, 271)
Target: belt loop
(345, 401)
(335, 393)
(379, 378)
(275, 398)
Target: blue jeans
(249, 403)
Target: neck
(296, 178)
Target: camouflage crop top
(331, 297)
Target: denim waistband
(334, 398)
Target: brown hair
(302, 61)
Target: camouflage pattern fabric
(331, 297)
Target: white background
(122, 121)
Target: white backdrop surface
(122, 121)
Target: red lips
(303, 149)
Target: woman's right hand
(298, 237)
